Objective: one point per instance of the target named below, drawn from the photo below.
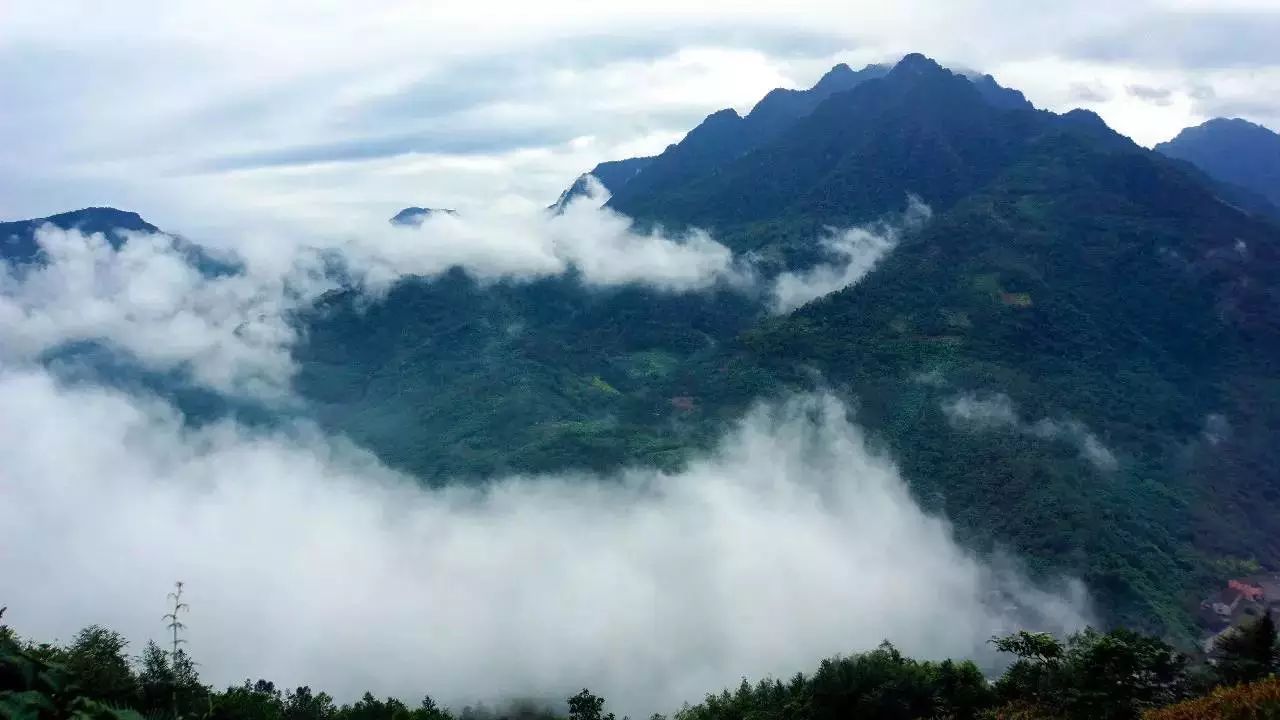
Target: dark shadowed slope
(17, 238)
(612, 175)
(1234, 151)
(918, 129)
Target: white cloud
(308, 562)
(1217, 429)
(147, 298)
(856, 251)
(599, 243)
(997, 412)
(232, 331)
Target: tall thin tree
(176, 626)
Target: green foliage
(1119, 675)
(1112, 676)
(97, 665)
(586, 706)
(34, 689)
(1247, 653)
(879, 684)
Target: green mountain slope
(1106, 320)
(1092, 284)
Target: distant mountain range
(1233, 151)
(1114, 310)
(18, 243)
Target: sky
(203, 115)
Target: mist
(854, 252)
(231, 329)
(998, 412)
(308, 562)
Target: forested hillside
(1105, 294)
(1075, 359)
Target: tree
(1247, 653)
(98, 667)
(155, 679)
(1112, 676)
(303, 704)
(585, 706)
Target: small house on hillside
(1252, 593)
(1224, 602)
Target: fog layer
(306, 561)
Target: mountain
(998, 96)
(917, 129)
(724, 135)
(1118, 304)
(413, 216)
(18, 238)
(612, 175)
(724, 138)
(1234, 151)
(1076, 359)
(1102, 302)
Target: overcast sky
(192, 113)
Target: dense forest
(1092, 675)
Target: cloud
(1197, 38)
(602, 246)
(1217, 429)
(306, 561)
(987, 413)
(147, 298)
(232, 331)
(1157, 95)
(856, 251)
(1085, 92)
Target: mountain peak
(413, 216)
(837, 77)
(722, 116)
(916, 64)
(1240, 123)
(101, 220)
(1232, 150)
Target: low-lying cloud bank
(603, 246)
(855, 252)
(306, 561)
(997, 412)
(148, 298)
(230, 329)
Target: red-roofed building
(1253, 593)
